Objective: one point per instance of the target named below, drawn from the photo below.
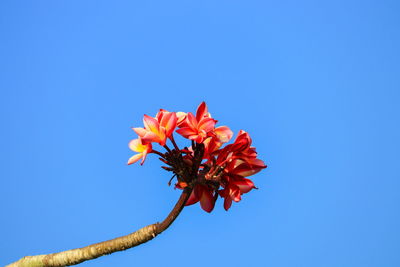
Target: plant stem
(78, 255)
(158, 153)
(174, 143)
(167, 148)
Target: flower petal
(227, 203)
(194, 196)
(245, 170)
(140, 131)
(256, 163)
(192, 199)
(207, 200)
(181, 119)
(144, 156)
(136, 145)
(242, 141)
(235, 193)
(186, 132)
(211, 144)
(168, 121)
(207, 124)
(134, 158)
(245, 185)
(201, 111)
(223, 133)
(160, 114)
(150, 137)
(151, 124)
(191, 120)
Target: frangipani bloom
(220, 136)
(152, 131)
(204, 167)
(137, 146)
(157, 129)
(167, 121)
(235, 187)
(198, 127)
(240, 149)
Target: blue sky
(315, 83)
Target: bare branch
(78, 255)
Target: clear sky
(315, 83)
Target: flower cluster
(205, 166)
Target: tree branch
(78, 255)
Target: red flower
(197, 128)
(237, 160)
(204, 194)
(206, 167)
(234, 188)
(240, 149)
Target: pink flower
(167, 121)
(152, 131)
(137, 146)
(157, 129)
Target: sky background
(315, 83)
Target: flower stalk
(79, 255)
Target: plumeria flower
(220, 136)
(157, 129)
(152, 131)
(198, 127)
(240, 149)
(206, 167)
(235, 187)
(137, 146)
(167, 121)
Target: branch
(78, 255)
